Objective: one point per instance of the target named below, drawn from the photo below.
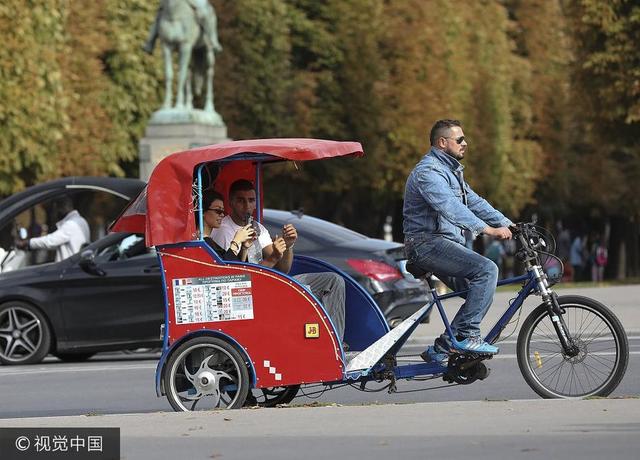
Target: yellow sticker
(311, 331)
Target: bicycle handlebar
(530, 240)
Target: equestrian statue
(190, 28)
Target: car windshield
(313, 227)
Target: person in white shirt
(278, 252)
(72, 232)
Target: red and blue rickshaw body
(280, 328)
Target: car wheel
(25, 336)
(73, 357)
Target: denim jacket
(436, 204)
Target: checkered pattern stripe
(272, 370)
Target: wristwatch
(234, 246)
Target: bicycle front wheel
(598, 367)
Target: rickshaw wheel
(272, 396)
(206, 373)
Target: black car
(67, 308)
(109, 296)
(378, 265)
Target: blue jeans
(459, 268)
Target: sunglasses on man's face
(219, 212)
(459, 140)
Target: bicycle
(568, 347)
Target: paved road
(125, 385)
(115, 383)
(453, 422)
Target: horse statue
(190, 28)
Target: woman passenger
(213, 210)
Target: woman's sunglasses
(219, 212)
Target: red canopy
(166, 205)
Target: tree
(136, 80)
(33, 102)
(253, 73)
(606, 82)
(87, 146)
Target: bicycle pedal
(471, 355)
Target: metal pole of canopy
(258, 188)
(199, 198)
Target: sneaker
(477, 345)
(432, 355)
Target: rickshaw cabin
(277, 324)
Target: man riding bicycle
(438, 207)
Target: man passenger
(278, 252)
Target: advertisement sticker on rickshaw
(213, 298)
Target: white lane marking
(498, 356)
(20, 370)
(413, 342)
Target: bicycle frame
(413, 370)
(389, 345)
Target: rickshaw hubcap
(206, 381)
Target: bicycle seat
(417, 271)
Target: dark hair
(241, 185)
(65, 205)
(209, 197)
(440, 127)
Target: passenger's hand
(22, 244)
(244, 234)
(290, 235)
(279, 246)
(502, 233)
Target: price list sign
(212, 298)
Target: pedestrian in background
(495, 252)
(576, 258)
(600, 260)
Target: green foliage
(606, 75)
(87, 146)
(76, 90)
(548, 92)
(254, 71)
(32, 97)
(135, 79)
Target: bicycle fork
(556, 313)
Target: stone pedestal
(171, 130)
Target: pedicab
(237, 332)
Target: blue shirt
(437, 201)
(575, 256)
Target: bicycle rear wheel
(598, 367)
